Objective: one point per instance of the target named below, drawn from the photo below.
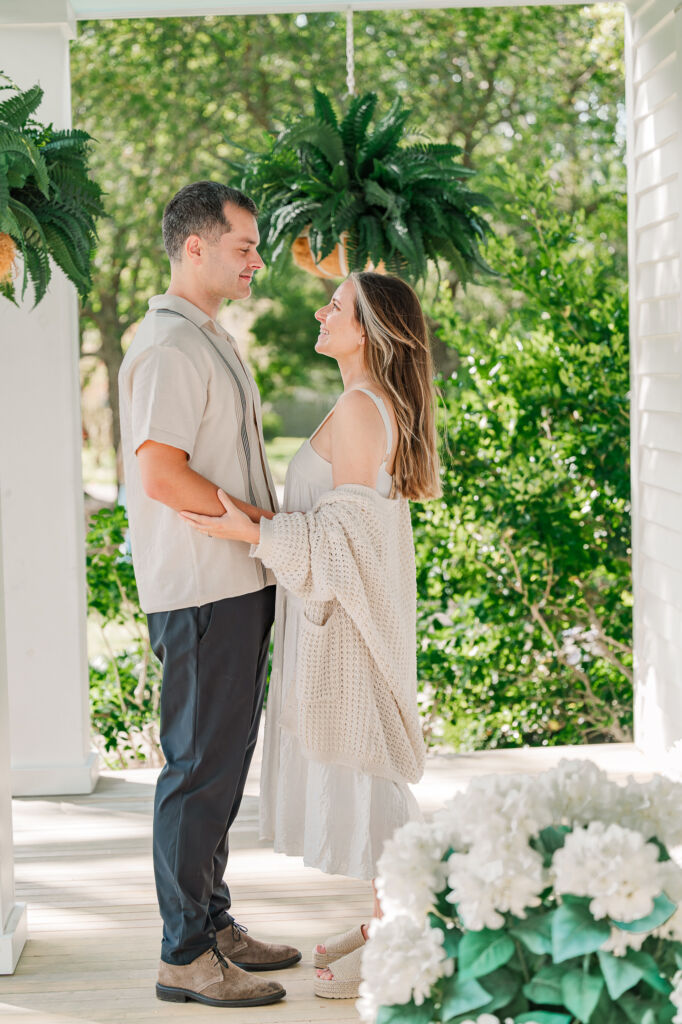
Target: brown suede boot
(214, 980)
(251, 954)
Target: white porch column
(654, 86)
(12, 914)
(40, 473)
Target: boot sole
(185, 995)
(279, 966)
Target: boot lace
(218, 958)
(238, 930)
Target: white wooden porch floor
(83, 864)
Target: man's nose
(257, 263)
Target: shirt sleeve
(168, 399)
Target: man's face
(230, 261)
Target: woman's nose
(321, 314)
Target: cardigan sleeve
(296, 546)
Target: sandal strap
(347, 968)
(345, 942)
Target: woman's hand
(234, 525)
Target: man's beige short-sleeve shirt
(183, 383)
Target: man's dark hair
(199, 209)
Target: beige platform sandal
(347, 977)
(338, 946)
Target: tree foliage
(524, 566)
(162, 96)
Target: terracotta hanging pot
(8, 252)
(333, 265)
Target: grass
(280, 451)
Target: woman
(342, 734)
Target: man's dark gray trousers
(215, 661)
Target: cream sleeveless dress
(336, 818)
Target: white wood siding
(654, 63)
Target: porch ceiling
(50, 11)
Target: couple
(209, 542)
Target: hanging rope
(350, 53)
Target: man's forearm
(188, 491)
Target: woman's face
(340, 333)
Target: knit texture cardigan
(351, 560)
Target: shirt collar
(192, 312)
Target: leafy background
(524, 566)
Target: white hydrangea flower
(401, 961)
(411, 871)
(613, 865)
(671, 880)
(619, 942)
(488, 1018)
(495, 877)
(676, 997)
(653, 808)
(580, 792)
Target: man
(190, 423)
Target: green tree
(163, 96)
(524, 566)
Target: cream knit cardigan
(351, 560)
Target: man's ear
(193, 248)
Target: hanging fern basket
(8, 253)
(334, 265)
(363, 192)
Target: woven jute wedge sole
(347, 977)
(338, 946)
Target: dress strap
(379, 402)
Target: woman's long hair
(398, 361)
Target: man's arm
(167, 477)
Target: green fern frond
(16, 110)
(354, 125)
(324, 110)
(12, 141)
(314, 133)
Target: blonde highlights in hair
(398, 361)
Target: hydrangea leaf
(663, 909)
(535, 932)
(461, 996)
(581, 992)
(549, 841)
(545, 987)
(638, 1011)
(543, 1017)
(575, 932)
(619, 973)
(484, 951)
(406, 1013)
(503, 986)
(650, 972)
